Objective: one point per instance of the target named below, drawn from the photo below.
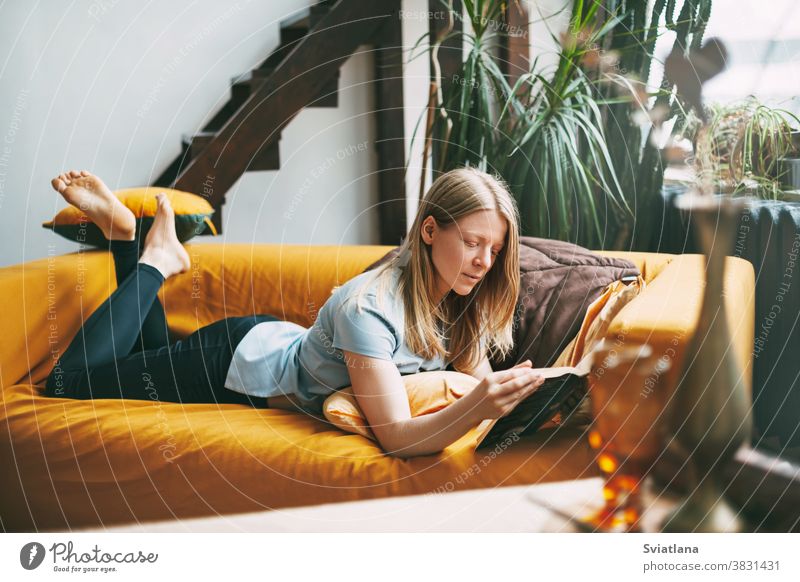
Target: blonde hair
(488, 311)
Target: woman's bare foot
(88, 193)
(162, 249)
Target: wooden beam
(516, 45)
(440, 24)
(390, 132)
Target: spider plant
(745, 143)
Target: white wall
(416, 80)
(547, 20)
(111, 85)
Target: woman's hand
(499, 392)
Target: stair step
(266, 159)
(328, 95)
(301, 19)
(261, 73)
(241, 88)
(294, 31)
(194, 143)
(289, 39)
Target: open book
(532, 412)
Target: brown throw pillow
(558, 282)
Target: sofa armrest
(665, 315)
(43, 305)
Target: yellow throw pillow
(192, 216)
(598, 318)
(427, 393)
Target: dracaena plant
(568, 141)
(543, 135)
(557, 157)
(637, 105)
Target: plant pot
(789, 173)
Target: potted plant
(571, 142)
(748, 150)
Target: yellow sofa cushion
(192, 216)
(427, 393)
(665, 314)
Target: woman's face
(464, 251)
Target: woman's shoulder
(375, 291)
(371, 284)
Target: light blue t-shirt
(279, 357)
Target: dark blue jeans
(123, 350)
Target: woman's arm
(382, 396)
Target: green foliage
(743, 144)
(565, 141)
(632, 144)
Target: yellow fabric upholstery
(666, 312)
(69, 463)
(599, 315)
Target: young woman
(442, 300)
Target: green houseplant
(567, 140)
(529, 133)
(633, 125)
(745, 144)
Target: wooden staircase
(303, 72)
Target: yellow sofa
(69, 463)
